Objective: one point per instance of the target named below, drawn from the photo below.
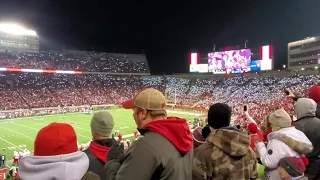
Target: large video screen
(229, 60)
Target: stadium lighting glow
(16, 29)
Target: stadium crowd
(30, 90)
(77, 60)
(257, 127)
(281, 147)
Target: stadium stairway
(22, 99)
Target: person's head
(314, 93)
(148, 105)
(219, 115)
(252, 128)
(101, 125)
(55, 139)
(198, 138)
(305, 107)
(291, 167)
(279, 119)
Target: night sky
(166, 30)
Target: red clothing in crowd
(120, 136)
(265, 136)
(258, 135)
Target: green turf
(16, 134)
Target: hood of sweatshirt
(176, 130)
(230, 141)
(67, 167)
(305, 107)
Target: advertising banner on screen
(194, 68)
(203, 68)
(233, 60)
(200, 68)
(255, 65)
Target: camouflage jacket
(225, 155)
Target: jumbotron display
(258, 58)
(229, 61)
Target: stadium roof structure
(15, 29)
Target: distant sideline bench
(16, 113)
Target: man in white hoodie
(283, 141)
(56, 156)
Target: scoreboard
(233, 61)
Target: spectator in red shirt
(269, 130)
(120, 137)
(254, 132)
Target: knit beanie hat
(55, 139)
(102, 123)
(219, 115)
(280, 118)
(253, 128)
(314, 93)
(295, 166)
(197, 137)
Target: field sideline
(17, 134)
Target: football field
(17, 134)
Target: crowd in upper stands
(77, 60)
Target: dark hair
(219, 115)
(205, 131)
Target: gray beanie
(102, 123)
(280, 118)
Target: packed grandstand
(198, 92)
(110, 79)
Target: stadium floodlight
(16, 29)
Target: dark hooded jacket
(309, 124)
(165, 152)
(233, 158)
(96, 153)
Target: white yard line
(18, 133)
(24, 126)
(11, 143)
(39, 129)
(82, 128)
